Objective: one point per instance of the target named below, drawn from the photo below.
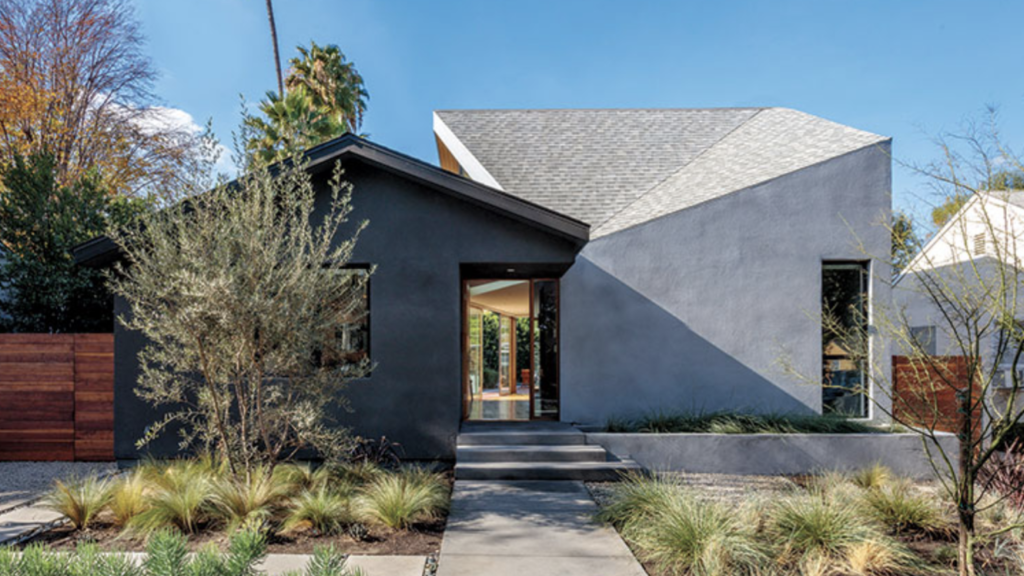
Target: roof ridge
(473, 110)
(597, 227)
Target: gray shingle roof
(618, 168)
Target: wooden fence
(923, 394)
(56, 396)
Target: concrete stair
(533, 451)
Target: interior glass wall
(511, 369)
(844, 338)
(545, 348)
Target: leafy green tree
(241, 293)
(905, 242)
(949, 207)
(1003, 180)
(42, 289)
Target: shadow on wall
(623, 355)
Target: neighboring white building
(966, 256)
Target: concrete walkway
(540, 528)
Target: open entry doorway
(510, 363)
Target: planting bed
(420, 540)
(733, 524)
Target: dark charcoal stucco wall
(695, 310)
(417, 237)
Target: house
(964, 265)
(580, 265)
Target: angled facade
(584, 265)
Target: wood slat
(37, 339)
(56, 397)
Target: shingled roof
(615, 169)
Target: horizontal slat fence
(56, 396)
(925, 391)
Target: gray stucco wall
(418, 238)
(695, 310)
(769, 454)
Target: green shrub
(401, 499)
(663, 422)
(167, 555)
(79, 500)
(324, 510)
(326, 561)
(900, 508)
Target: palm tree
(291, 124)
(277, 54)
(333, 83)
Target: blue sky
(909, 70)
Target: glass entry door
(510, 349)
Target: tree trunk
(965, 544)
(277, 54)
(965, 491)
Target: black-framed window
(844, 308)
(351, 338)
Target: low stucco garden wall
(768, 454)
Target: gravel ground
(721, 487)
(24, 481)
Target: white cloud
(164, 118)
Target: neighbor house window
(844, 291)
(924, 338)
(351, 338)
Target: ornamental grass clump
(827, 531)
(128, 498)
(698, 537)
(324, 510)
(680, 533)
(252, 498)
(902, 509)
(80, 501)
(874, 476)
(179, 497)
(401, 499)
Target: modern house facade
(581, 265)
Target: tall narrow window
(350, 342)
(844, 290)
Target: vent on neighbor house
(979, 244)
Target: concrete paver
(530, 527)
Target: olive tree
(248, 309)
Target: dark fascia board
(102, 250)
(449, 183)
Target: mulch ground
(421, 539)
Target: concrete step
(521, 438)
(590, 471)
(520, 453)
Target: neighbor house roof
(618, 168)
(101, 251)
